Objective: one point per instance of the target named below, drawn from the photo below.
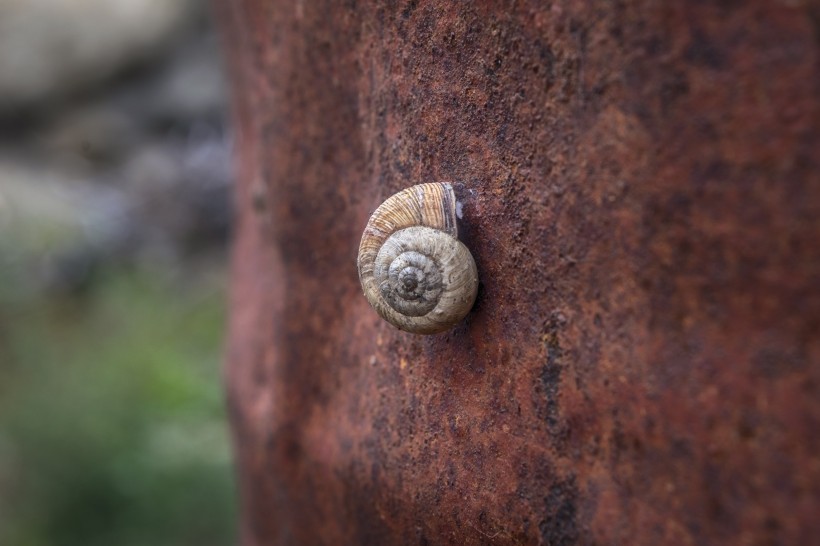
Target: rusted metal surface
(642, 199)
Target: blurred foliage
(112, 422)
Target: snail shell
(414, 271)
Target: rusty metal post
(642, 199)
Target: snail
(414, 271)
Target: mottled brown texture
(642, 365)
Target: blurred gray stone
(52, 47)
(134, 170)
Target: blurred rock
(134, 169)
(50, 48)
(183, 89)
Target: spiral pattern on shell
(414, 271)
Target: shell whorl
(414, 271)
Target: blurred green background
(114, 217)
